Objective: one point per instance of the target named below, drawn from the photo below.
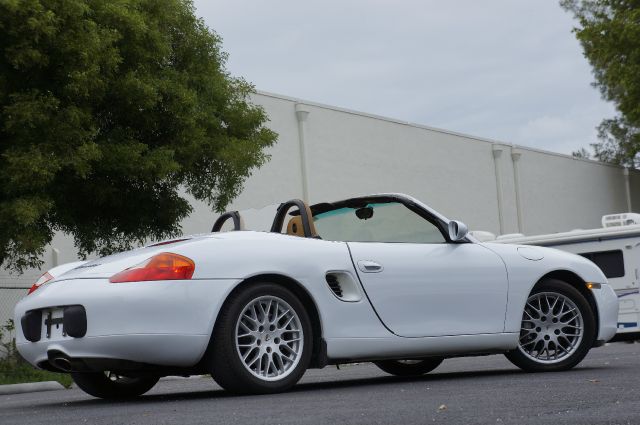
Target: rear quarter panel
(244, 255)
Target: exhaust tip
(62, 364)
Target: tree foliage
(108, 111)
(581, 153)
(609, 33)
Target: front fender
(525, 273)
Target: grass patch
(15, 370)
(18, 372)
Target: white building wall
(348, 153)
(634, 180)
(354, 154)
(561, 193)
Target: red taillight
(165, 266)
(46, 277)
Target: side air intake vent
(332, 280)
(344, 286)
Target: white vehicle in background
(615, 248)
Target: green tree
(108, 110)
(609, 33)
(581, 153)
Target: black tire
(104, 385)
(409, 367)
(227, 367)
(569, 358)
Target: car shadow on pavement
(431, 377)
(336, 384)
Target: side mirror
(457, 230)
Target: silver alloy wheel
(552, 328)
(269, 338)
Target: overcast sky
(501, 69)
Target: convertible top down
(379, 278)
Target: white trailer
(615, 248)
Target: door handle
(368, 266)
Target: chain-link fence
(9, 297)
(12, 289)
(13, 368)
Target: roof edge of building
(434, 129)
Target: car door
(419, 283)
(433, 289)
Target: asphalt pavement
(603, 389)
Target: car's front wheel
(262, 342)
(409, 367)
(557, 329)
(109, 385)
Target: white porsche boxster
(379, 278)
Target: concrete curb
(30, 387)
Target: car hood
(550, 259)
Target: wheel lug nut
(547, 337)
(268, 349)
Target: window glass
(387, 222)
(610, 262)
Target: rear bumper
(165, 323)
(157, 349)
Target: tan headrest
(295, 228)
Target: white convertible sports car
(379, 278)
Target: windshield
(384, 222)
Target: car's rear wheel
(262, 341)
(409, 367)
(109, 385)
(557, 330)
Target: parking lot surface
(474, 390)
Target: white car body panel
(167, 332)
(624, 239)
(397, 347)
(524, 273)
(444, 289)
(468, 299)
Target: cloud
(500, 69)
(563, 132)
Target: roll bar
(284, 208)
(234, 215)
